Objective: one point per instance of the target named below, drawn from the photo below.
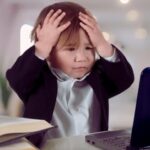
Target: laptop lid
(140, 136)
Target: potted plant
(5, 91)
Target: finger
(81, 15)
(88, 17)
(55, 15)
(86, 28)
(89, 14)
(87, 22)
(46, 20)
(64, 26)
(59, 18)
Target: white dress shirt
(77, 109)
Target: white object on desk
(19, 144)
(68, 143)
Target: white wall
(13, 16)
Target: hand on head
(90, 25)
(49, 32)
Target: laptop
(138, 137)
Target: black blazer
(32, 80)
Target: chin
(79, 76)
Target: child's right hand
(49, 33)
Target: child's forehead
(76, 43)
(73, 36)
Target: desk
(68, 143)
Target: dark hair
(71, 34)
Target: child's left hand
(90, 25)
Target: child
(61, 80)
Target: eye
(89, 48)
(70, 48)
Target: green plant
(5, 91)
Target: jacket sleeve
(116, 76)
(24, 75)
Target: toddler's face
(75, 61)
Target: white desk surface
(68, 143)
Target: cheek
(91, 57)
(54, 59)
(61, 61)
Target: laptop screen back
(140, 136)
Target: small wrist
(41, 50)
(105, 50)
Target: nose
(80, 56)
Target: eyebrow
(73, 44)
(88, 44)
(69, 44)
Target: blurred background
(126, 23)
